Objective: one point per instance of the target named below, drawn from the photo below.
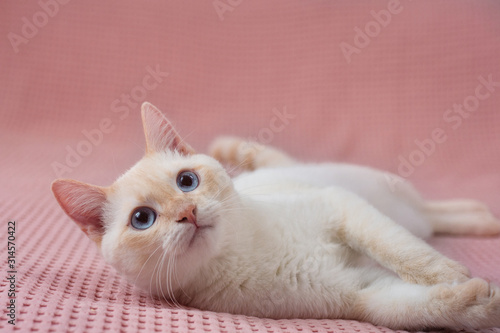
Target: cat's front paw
(438, 269)
(473, 304)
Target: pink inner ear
(160, 134)
(83, 203)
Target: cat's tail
(461, 217)
(247, 155)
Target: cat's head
(165, 218)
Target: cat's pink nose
(188, 215)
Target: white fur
(275, 249)
(402, 203)
(296, 241)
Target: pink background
(226, 75)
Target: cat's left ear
(160, 134)
(84, 203)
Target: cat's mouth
(198, 233)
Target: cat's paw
(234, 151)
(437, 270)
(247, 155)
(473, 304)
(447, 270)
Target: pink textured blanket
(412, 87)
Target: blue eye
(187, 181)
(142, 218)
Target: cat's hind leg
(461, 217)
(396, 304)
(247, 155)
(456, 217)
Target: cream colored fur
(285, 239)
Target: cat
(283, 239)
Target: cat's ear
(160, 134)
(84, 204)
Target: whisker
(144, 264)
(152, 278)
(160, 273)
(171, 271)
(177, 279)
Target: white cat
(287, 240)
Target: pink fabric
(230, 72)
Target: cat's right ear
(160, 134)
(84, 204)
